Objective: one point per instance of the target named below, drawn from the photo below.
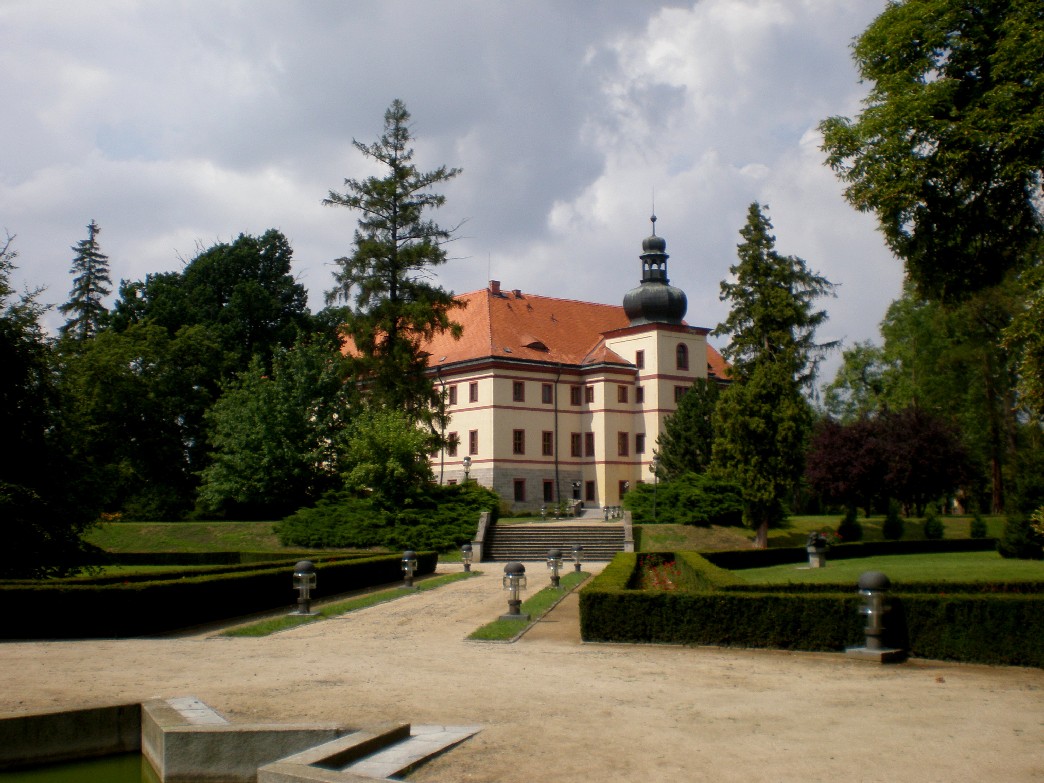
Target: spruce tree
(392, 306)
(90, 286)
(762, 421)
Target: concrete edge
(67, 735)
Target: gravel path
(555, 708)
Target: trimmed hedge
(1005, 628)
(42, 610)
(737, 560)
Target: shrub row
(66, 610)
(737, 560)
(982, 628)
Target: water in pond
(125, 768)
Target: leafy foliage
(385, 455)
(273, 435)
(688, 499)
(393, 307)
(947, 151)
(136, 401)
(443, 518)
(243, 292)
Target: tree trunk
(761, 539)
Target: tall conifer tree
(85, 311)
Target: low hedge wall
(64, 610)
(737, 560)
(983, 628)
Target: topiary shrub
(978, 526)
(849, 528)
(893, 527)
(933, 526)
(1021, 539)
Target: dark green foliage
(893, 526)
(90, 286)
(136, 401)
(687, 441)
(393, 306)
(160, 606)
(978, 526)
(689, 499)
(443, 518)
(762, 422)
(1021, 540)
(933, 526)
(243, 292)
(1003, 628)
(45, 505)
(273, 433)
(947, 150)
(849, 529)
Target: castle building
(554, 399)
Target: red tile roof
(511, 324)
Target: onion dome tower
(655, 301)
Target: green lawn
(185, 537)
(951, 567)
(536, 606)
(282, 623)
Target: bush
(978, 526)
(849, 529)
(933, 526)
(690, 499)
(443, 518)
(1020, 540)
(893, 527)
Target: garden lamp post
(554, 565)
(578, 551)
(467, 468)
(873, 587)
(605, 513)
(514, 583)
(543, 513)
(304, 583)
(409, 567)
(655, 470)
(466, 555)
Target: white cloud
(178, 124)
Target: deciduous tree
(948, 151)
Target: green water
(125, 768)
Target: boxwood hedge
(67, 610)
(985, 624)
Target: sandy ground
(556, 708)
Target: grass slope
(954, 566)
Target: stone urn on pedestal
(817, 548)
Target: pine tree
(392, 305)
(90, 286)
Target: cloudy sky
(176, 125)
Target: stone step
(378, 755)
(532, 542)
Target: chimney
(517, 292)
(494, 287)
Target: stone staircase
(529, 543)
